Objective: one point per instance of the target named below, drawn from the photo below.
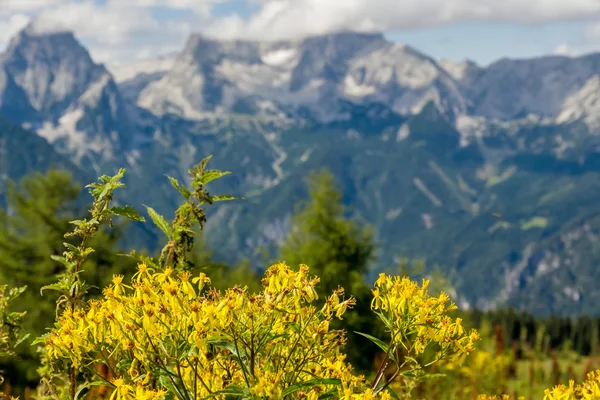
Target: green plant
(11, 334)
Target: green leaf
(128, 212)
(382, 345)
(160, 222)
(310, 383)
(59, 259)
(392, 393)
(203, 163)
(225, 344)
(388, 324)
(181, 189)
(224, 198)
(167, 384)
(118, 176)
(87, 385)
(40, 339)
(105, 190)
(22, 339)
(58, 286)
(222, 342)
(331, 394)
(232, 390)
(211, 175)
(78, 223)
(430, 377)
(15, 292)
(72, 248)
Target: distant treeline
(544, 334)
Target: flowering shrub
(172, 332)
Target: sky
(484, 31)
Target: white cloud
(295, 18)
(10, 26)
(565, 49)
(121, 30)
(113, 31)
(13, 6)
(589, 42)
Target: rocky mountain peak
(50, 70)
(207, 50)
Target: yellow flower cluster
(588, 390)
(412, 315)
(493, 397)
(124, 391)
(174, 333)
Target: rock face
(511, 89)
(46, 73)
(49, 83)
(315, 76)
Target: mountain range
(489, 172)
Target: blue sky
(488, 42)
(481, 30)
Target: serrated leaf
(72, 248)
(224, 198)
(58, 286)
(78, 223)
(128, 212)
(118, 176)
(160, 222)
(181, 189)
(203, 163)
(16, 291)
(105, 190)
(211, 175)
(40, 339)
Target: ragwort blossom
(176, 333)
(416, 320)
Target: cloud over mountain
(118, 30)
(288, 19)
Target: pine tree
(340, 252)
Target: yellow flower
(142, 328)
(121, 389)
(142, 272)
(118, 286)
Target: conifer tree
(340, 251)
